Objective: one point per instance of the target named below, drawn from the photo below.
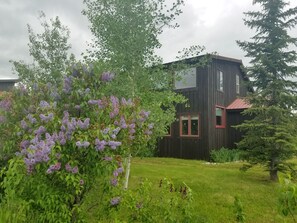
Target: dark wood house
(215, 101)
(6, 83)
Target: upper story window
(220, 117)
(189, 125)
(220, 80)
(185, 78)
(237, 84)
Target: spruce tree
(270, 134)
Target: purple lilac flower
(115, 201)
(123, 123)
(105, 131)
(85, 124)
(40, 131)
(77, 107)
(83, 144)
(151, 126)
(114, 182)
(115, 173)
(25, 144)
(44, 104)
(24, 124)
(46, 118)
(100, 145)
(5, 104)
(55, 95)
(87, 91)
(114, 144)
(116, 130)
(68, 167)
(67, 84)
(93, 102)
(31, 119)
(132, 131)
(120, 170)
(107, 158)
(81, 182)
(75, 169)
(107, 76)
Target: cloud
(216, 24)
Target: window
(220, 117)
(185, 78)
(189, 125)
(237, 84)
(220, 81)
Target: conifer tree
(270, 134)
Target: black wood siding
(6, 86)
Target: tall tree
(49, 51)
(126, 37)
(270, 137)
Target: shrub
(224, 155)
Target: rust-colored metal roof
(238, 104)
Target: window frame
(220, 80)
(237, 84)
(189, 116)
(223, 125)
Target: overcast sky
(215, 24)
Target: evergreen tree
(270, 137)
(49, 51)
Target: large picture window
(185, 78)
(189, 125)
(220, 80)
(220, 117)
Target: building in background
(215, 94)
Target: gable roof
(238, 104)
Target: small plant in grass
(149, 203)
(224, 155)
(238, 209)
(287, 201)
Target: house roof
(238, 104)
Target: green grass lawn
(214, 187)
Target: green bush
(224, 155)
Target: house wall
(6, 86)
(184, 146)
(218, 137)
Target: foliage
(145, 203)
(224, 155)
(238, 209)
(270, 135)
(64, 137)
(49, 51)
(288, 197)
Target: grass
(214, 187)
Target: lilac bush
(67, 136)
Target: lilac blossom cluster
(107, 76)
(67, 84)
(70, 169)
(115, 201)
(115, 106)
(46, 118)
(5, 104)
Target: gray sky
(215, 24)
